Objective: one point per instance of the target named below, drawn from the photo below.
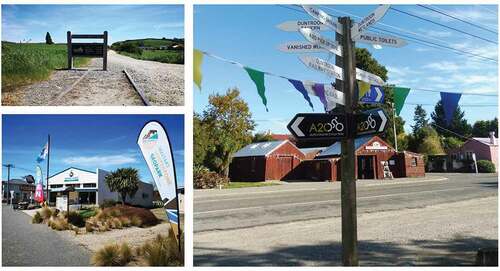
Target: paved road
(246, 215)
(26, 244)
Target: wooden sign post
(88, 49)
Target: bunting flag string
(450, 104)
(326, 93)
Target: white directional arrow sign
(322, 66)
(293, 26)
(300, 47)
(384, 120)
(295, 126)
(316, 38)
(368, 77)
(369, 20)
(377, 39)
(323, 17)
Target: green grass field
(164, 56)
(232, 185)
(24, 64)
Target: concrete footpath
(26, 244)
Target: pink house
(485, 148)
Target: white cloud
(99, 160)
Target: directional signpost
(342, 123)
(375, 95)
(318, 126)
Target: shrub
(136, 221)
(146, 217)
(485, 166)
(203, 178)
(89, 227)
(107, 203)
(60, 224)
(125, 221)
(117, 223)
(101, 215)
(56, 212)
(46, 213)
(37, 218)
(126, 254)
(162, 251)
(76, 219)
(107, 256)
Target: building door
(285, 165)
(366, 169)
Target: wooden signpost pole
(70, 51)
(348, 158)
(105, 51)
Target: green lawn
(248, 184)
(87, 213)
(26, 63)
(164, 56)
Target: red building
(283, 161)
(272, 160)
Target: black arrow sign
(371, 122)
(318, 126)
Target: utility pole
(8, 166)
(394, 126)
(348, 156)
(48, 167)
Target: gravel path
(162, 83)
(26, 244)
(443, 234)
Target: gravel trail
(162, 83)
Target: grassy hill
(26, 63)
(135, 49)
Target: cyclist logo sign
(318, 126)
(371, 122)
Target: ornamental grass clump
(37, 218)
(162, 251)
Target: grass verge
(26, 63)
(232, 185)
(164, 56)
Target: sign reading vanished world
(318, 126)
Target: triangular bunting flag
(363, 88)
(450, 103)
(197, 61)
(319, 90)
(258, 78)
(300, 87)
(400, 95)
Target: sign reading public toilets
(155, 147)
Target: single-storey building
(255, 163)
(90, 188)
(485, 148)
(23, 191)
(272, 160)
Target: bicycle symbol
(369, 123)
(334, 124)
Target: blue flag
(450, 103)
(300, 87)
(43, 153)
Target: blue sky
(247, 34)
(84, 141)
(25, 22)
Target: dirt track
(163, 84)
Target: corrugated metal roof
(17, 181)
(259, 149)
(334, 149)
(486, 140)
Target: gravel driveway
(26, 244)
(163, 84)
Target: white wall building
(90, 188)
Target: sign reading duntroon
(88, 49)
(293, 26)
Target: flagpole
(394, 127)
(48, 168)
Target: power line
(461, 105)
(463, 93)
(417, 40)
(440, 11)
(443, 25)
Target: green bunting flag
(197, 61)
(400, 95)
(258, 78)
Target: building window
(56, 185)
(76, 185)
(414, 161)
(145, 196)
(89, 185)
(468, 155)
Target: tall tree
(458, 125)
(201, 140)
(482, 128)
(262, 137)
(48, 39)
(125, 181)
(419, 119)
(229, 124)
